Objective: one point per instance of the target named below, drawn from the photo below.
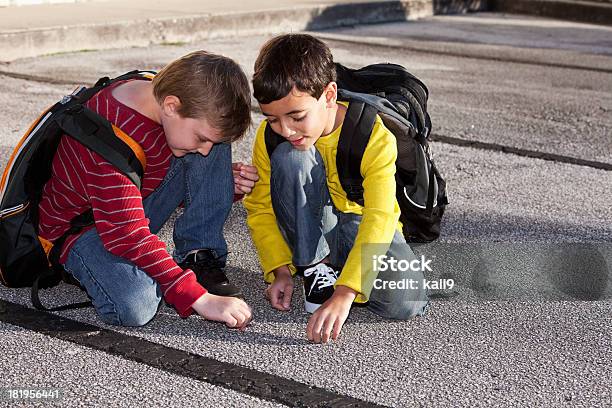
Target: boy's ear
(171, 105)
(331, 94)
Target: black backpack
(27, 260)
(400, 99)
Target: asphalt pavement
(520, 328)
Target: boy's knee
(138, 315)
(219, 151)
(134, 312)
(287, 161)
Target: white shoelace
(324, 276)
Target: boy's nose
(286, 132)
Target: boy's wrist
(345, 293)
(282, 271)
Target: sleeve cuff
(184, 294)
(269, 275)
(361, 296)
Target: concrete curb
(595, 12)
(184, 29)
(28, 43)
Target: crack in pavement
(234, 377)
(42, 79)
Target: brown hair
(209, 86)
(292, 60)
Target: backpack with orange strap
(27, 260)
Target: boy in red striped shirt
(184, 121)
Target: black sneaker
(209, 272)
(319, 283)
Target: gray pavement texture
(545, 346)
(87, 378)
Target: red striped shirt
(82, 179)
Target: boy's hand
(245, 177)
(234, 312)
(280, 291)
(330, 317)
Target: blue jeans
(314, 229)
(125, 295)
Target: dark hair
(292, 60)
(209, 86)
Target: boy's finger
(248, 167)
(241, 323)
(327, 328)
(247, 312)
(276, 300)
(309, 326)
(241, 188)
(248, 320)
(245, 183)
(240, 317)
(316, 328)
(337, 328)
(287, 296)
(316, 335)
(249, 175)
(230, 321)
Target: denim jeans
(125, 295)
(314, 229)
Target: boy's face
(187, 135)
(301, 118)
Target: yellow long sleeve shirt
(380, 213)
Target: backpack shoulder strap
(354, 137)
(99, 135)
(135, 74)
(84, 94)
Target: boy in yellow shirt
(299, 215)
